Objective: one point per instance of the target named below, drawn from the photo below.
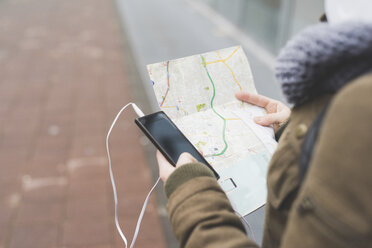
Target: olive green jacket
(332, 207)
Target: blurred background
(66, 69)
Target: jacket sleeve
(199, 211)
(333, 208)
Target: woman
(319, 193)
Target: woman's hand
(166, 169)
(277, 112)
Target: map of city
(198, 94)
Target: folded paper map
(198, 94)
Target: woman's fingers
(255, 99)
(277, 112)
(269, 119)
(166, 169)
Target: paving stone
(5, 220)
(87, 208)
(93, 189)
(44, 212)
(54, 193)
(88, 232)
(63, 81)
(35, 235)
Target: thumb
(185, 158)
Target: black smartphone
(170, 141)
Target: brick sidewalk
(62, 80)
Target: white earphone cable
(140, 114)
(142, 213)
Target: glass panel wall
(270, 22)
(305, 13)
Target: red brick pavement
(62, 80)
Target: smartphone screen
(168, 138)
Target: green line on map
(224, 120)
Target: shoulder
(351, 111)
(355, 94)
(345, 137)
(338, 180)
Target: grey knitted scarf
(323, 58)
